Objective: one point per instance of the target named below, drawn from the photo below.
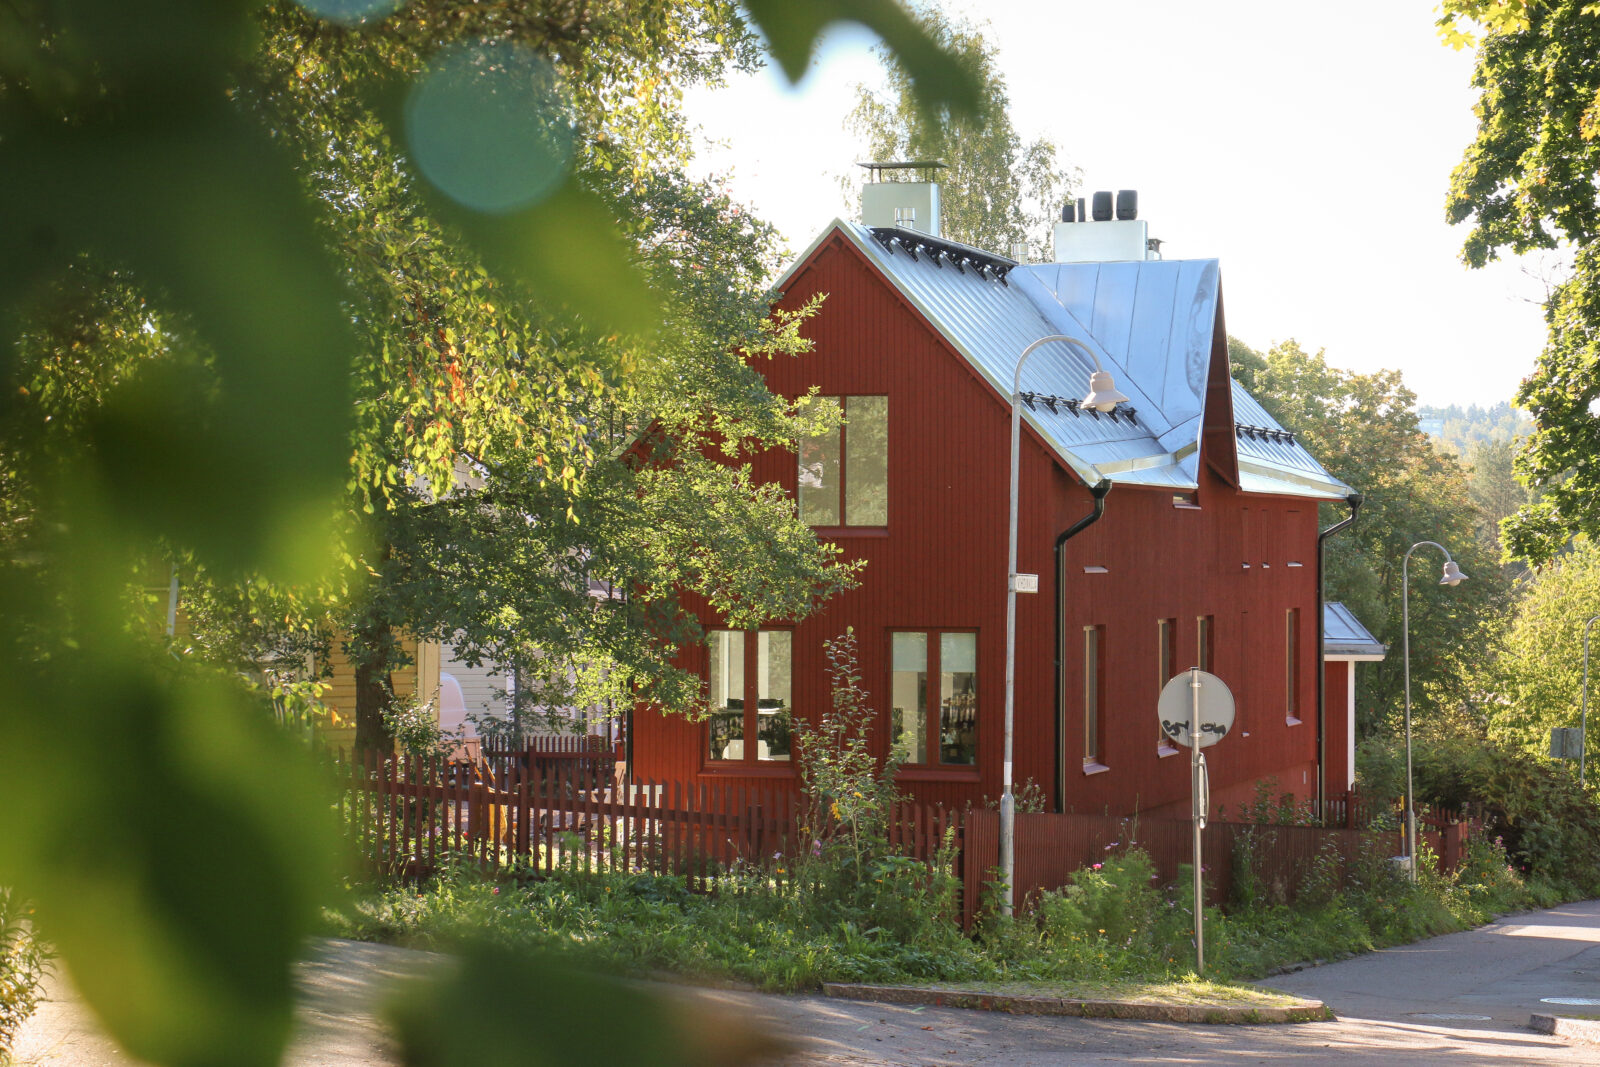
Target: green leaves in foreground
(793, 29)
(176, 844)
(516, 1008)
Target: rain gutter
(1098, 490)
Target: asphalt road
(1460, 999)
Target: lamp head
(1452, 574)
(1103, 395)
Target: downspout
(1354, 502)
(1098, 491)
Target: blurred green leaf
(518, 1009)
(567, 250)
(210, 213)
(937, 77)
(176, 842)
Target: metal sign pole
(1196, 770)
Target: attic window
(843, 476)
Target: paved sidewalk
(342, 985)
(1493, 978)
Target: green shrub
(851, 874)
(1549, 827)
(22, 962)
(1114, 900)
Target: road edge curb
(1023, 1004)
(1585, 1030)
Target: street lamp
(1452, 576)
(1583, 723)
(1102, 396)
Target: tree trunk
(371, 658)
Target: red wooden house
(1205, 552)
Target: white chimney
(912, 205)
(1094, 236)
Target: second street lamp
(1583, 723)
(1452, 576)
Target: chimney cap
(876, 170)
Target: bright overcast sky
(1306, 144)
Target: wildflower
(1113, 845)
(1097, 866)
(816, 848)
(496, 890)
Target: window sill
(836, 532)
(1090, 767)
(924, 773)
(1163, 751)
(1291, 721)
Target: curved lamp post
(1103, 396)
(1583, 723)
(1452, 576)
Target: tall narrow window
(752, 682)
(843, 476)
(908, 687)
(958, 698)
(1203, 638)
(818, 482)
(1166, 666)
(943, 731)
(727, 694)
(1093, 693)
(1291, 665)
(866, 461)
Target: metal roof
(1150, 322)
(1343, 634)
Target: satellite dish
(1176, 709)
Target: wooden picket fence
(548, 809)
(556, 806)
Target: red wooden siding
(941, 563)
(1338, 691)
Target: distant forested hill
(1461, 430)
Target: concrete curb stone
(1024, 1004)
(1584, 1030)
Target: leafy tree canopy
(1527, 182)
(1535, 681)
(239, 271)
(996, 189)
(1460, 429)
